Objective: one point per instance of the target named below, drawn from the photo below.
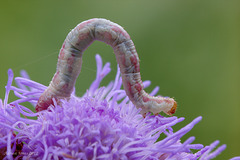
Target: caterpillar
(70, 62)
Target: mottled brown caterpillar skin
(70, 62)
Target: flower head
(102, 124)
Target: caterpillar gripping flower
(70, 62)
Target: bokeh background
(191, 49)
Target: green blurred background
(191, 49)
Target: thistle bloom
(102, 124)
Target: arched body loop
(70, 62)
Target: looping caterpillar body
(70, 62)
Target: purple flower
(102, 124)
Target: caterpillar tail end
(45, 100)
(43, 105)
